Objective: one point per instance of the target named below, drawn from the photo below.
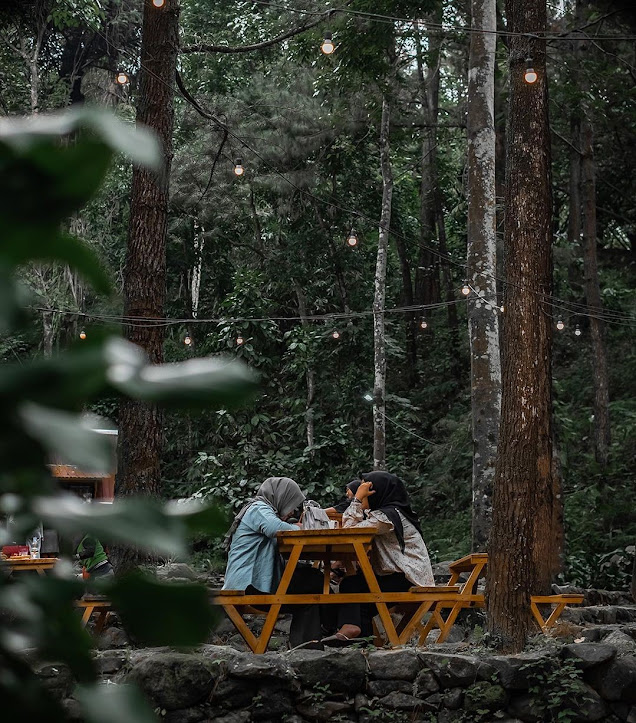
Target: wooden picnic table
(475, 566)
(33, 564)
(347, 544)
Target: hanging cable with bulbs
(610, 316)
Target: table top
(318, 544)
(30, 563)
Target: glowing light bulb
(188, 340)
(335, 334)
(368, 397)
(501, 308)
(327, 46)
(352, 239)
(122, 78)
(82, 334)
(560, 325)
(239, 340)
(530, 76)
(423, 324)
(238, 167)
(577, 331)
(465, 289)
(158, 3)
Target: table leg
(268, 629)
(88, 611)
(414, 622)
(372, 582)
(241, 626)
(101, 621)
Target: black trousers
(305, 623)
(362, 614)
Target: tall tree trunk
(141, 424)
(379, 297)
(483, 313)
(522, 535)
(310, 375)
(411, 316)
(427, 270)
(593, 294)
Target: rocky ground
(585, 672)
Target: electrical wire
(448, 28)
(354, 212)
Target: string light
(352, 239)
(188, 340)
(158, 3)
(423, 324)
(335, 334)
(122, 78)
(530, 76)
(239, 340)
(560, 325)
(327, 46)
(502, 308)
(238, 167)
(82, 334)
(465, 289)
(368, 397)
(577, 331)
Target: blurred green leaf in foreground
(50, 166)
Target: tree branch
(206, 48)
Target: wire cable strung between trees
(609, 316)
(451, 29)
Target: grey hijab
(282, 494)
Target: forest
(322, 224)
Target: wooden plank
(449, 599)
(467, 563)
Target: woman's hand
(364, 491)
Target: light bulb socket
(122, 78)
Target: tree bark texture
(379, 297)
(427, 270)
(521, 545)
(140, 424)
(593, 294)
(483, 310)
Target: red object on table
(10, 550)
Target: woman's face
(349, 493)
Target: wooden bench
(475, 567)
(98, 605)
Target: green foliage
(58, 163)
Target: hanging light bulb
(158, 3)
(239, 340)
(122, 78)
(188, 340)
(352, 239)
(501, 308)
(530, 76)
(577, 331)
(327, 46)
(335, 334)
(238, 167)
(560, 325)
(423, 324)
(368, 397)
(82, 334)
(465, 289)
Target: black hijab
(391, 496)
(353, 486)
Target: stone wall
(578, 682)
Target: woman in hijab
(398, 555)
(350, 491)
(254, 563)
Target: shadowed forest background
(264, 257)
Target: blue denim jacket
(254, 558)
